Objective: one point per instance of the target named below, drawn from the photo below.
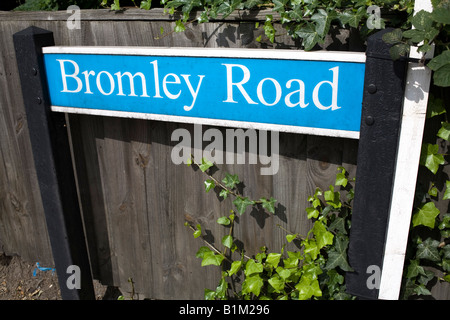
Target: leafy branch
(228, 186)
(314, 272)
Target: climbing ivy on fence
(428, 255)
(315, 271)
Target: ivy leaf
(435, 107)
(439, 61)
(179, 26)
(273, 259)
(447, 278)
(308, 288)
(312, 270)
(210, 258)
(425, 215)
(399, 50)
(441, 77)
(205, 165)
(322, 235)
(312, 212)
(428, 250)
(224, 193)
(224, 221)
(445, 251)
(189, 160)
(422, 20)
(146, 4)
(279, 5)
(291, 237)
(209, 184)
(203, 17)
(115, 5)
(430, 157)
(293, 259)
(415, 35)
(352, 18)
(414, 269)
(446, 265)
(252, 285)
(242, 204)
(235, 267)
(227, 241)
(322, 20)
(393, 37)
(283, 273)
(221, 289)
(201, 252)
(269, 205)
(311, 248)
(210, 294)
(309, 35)
(253, 267)
(269, 30)
(277, 283)
(422, 290)
(337, 257)
(445, 224)
(252, 3)
(341, 179)
(338, 224)
(230, 181)
(444, 131)
(333, 198)
(198, 232)
(441, 67)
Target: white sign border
(277, 54)
(212, 122)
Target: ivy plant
(428, 254)
(316, 271)
(428, 29)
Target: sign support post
(410, 142)
(377, 153)
(51, 152)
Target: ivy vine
(316, 271)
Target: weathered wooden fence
(134, 199)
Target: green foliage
(315, 271)
(428, 28)
(428, 253)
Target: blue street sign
(279, 93)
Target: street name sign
(282, 90)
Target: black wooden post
(51, 152)
(377, 151)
